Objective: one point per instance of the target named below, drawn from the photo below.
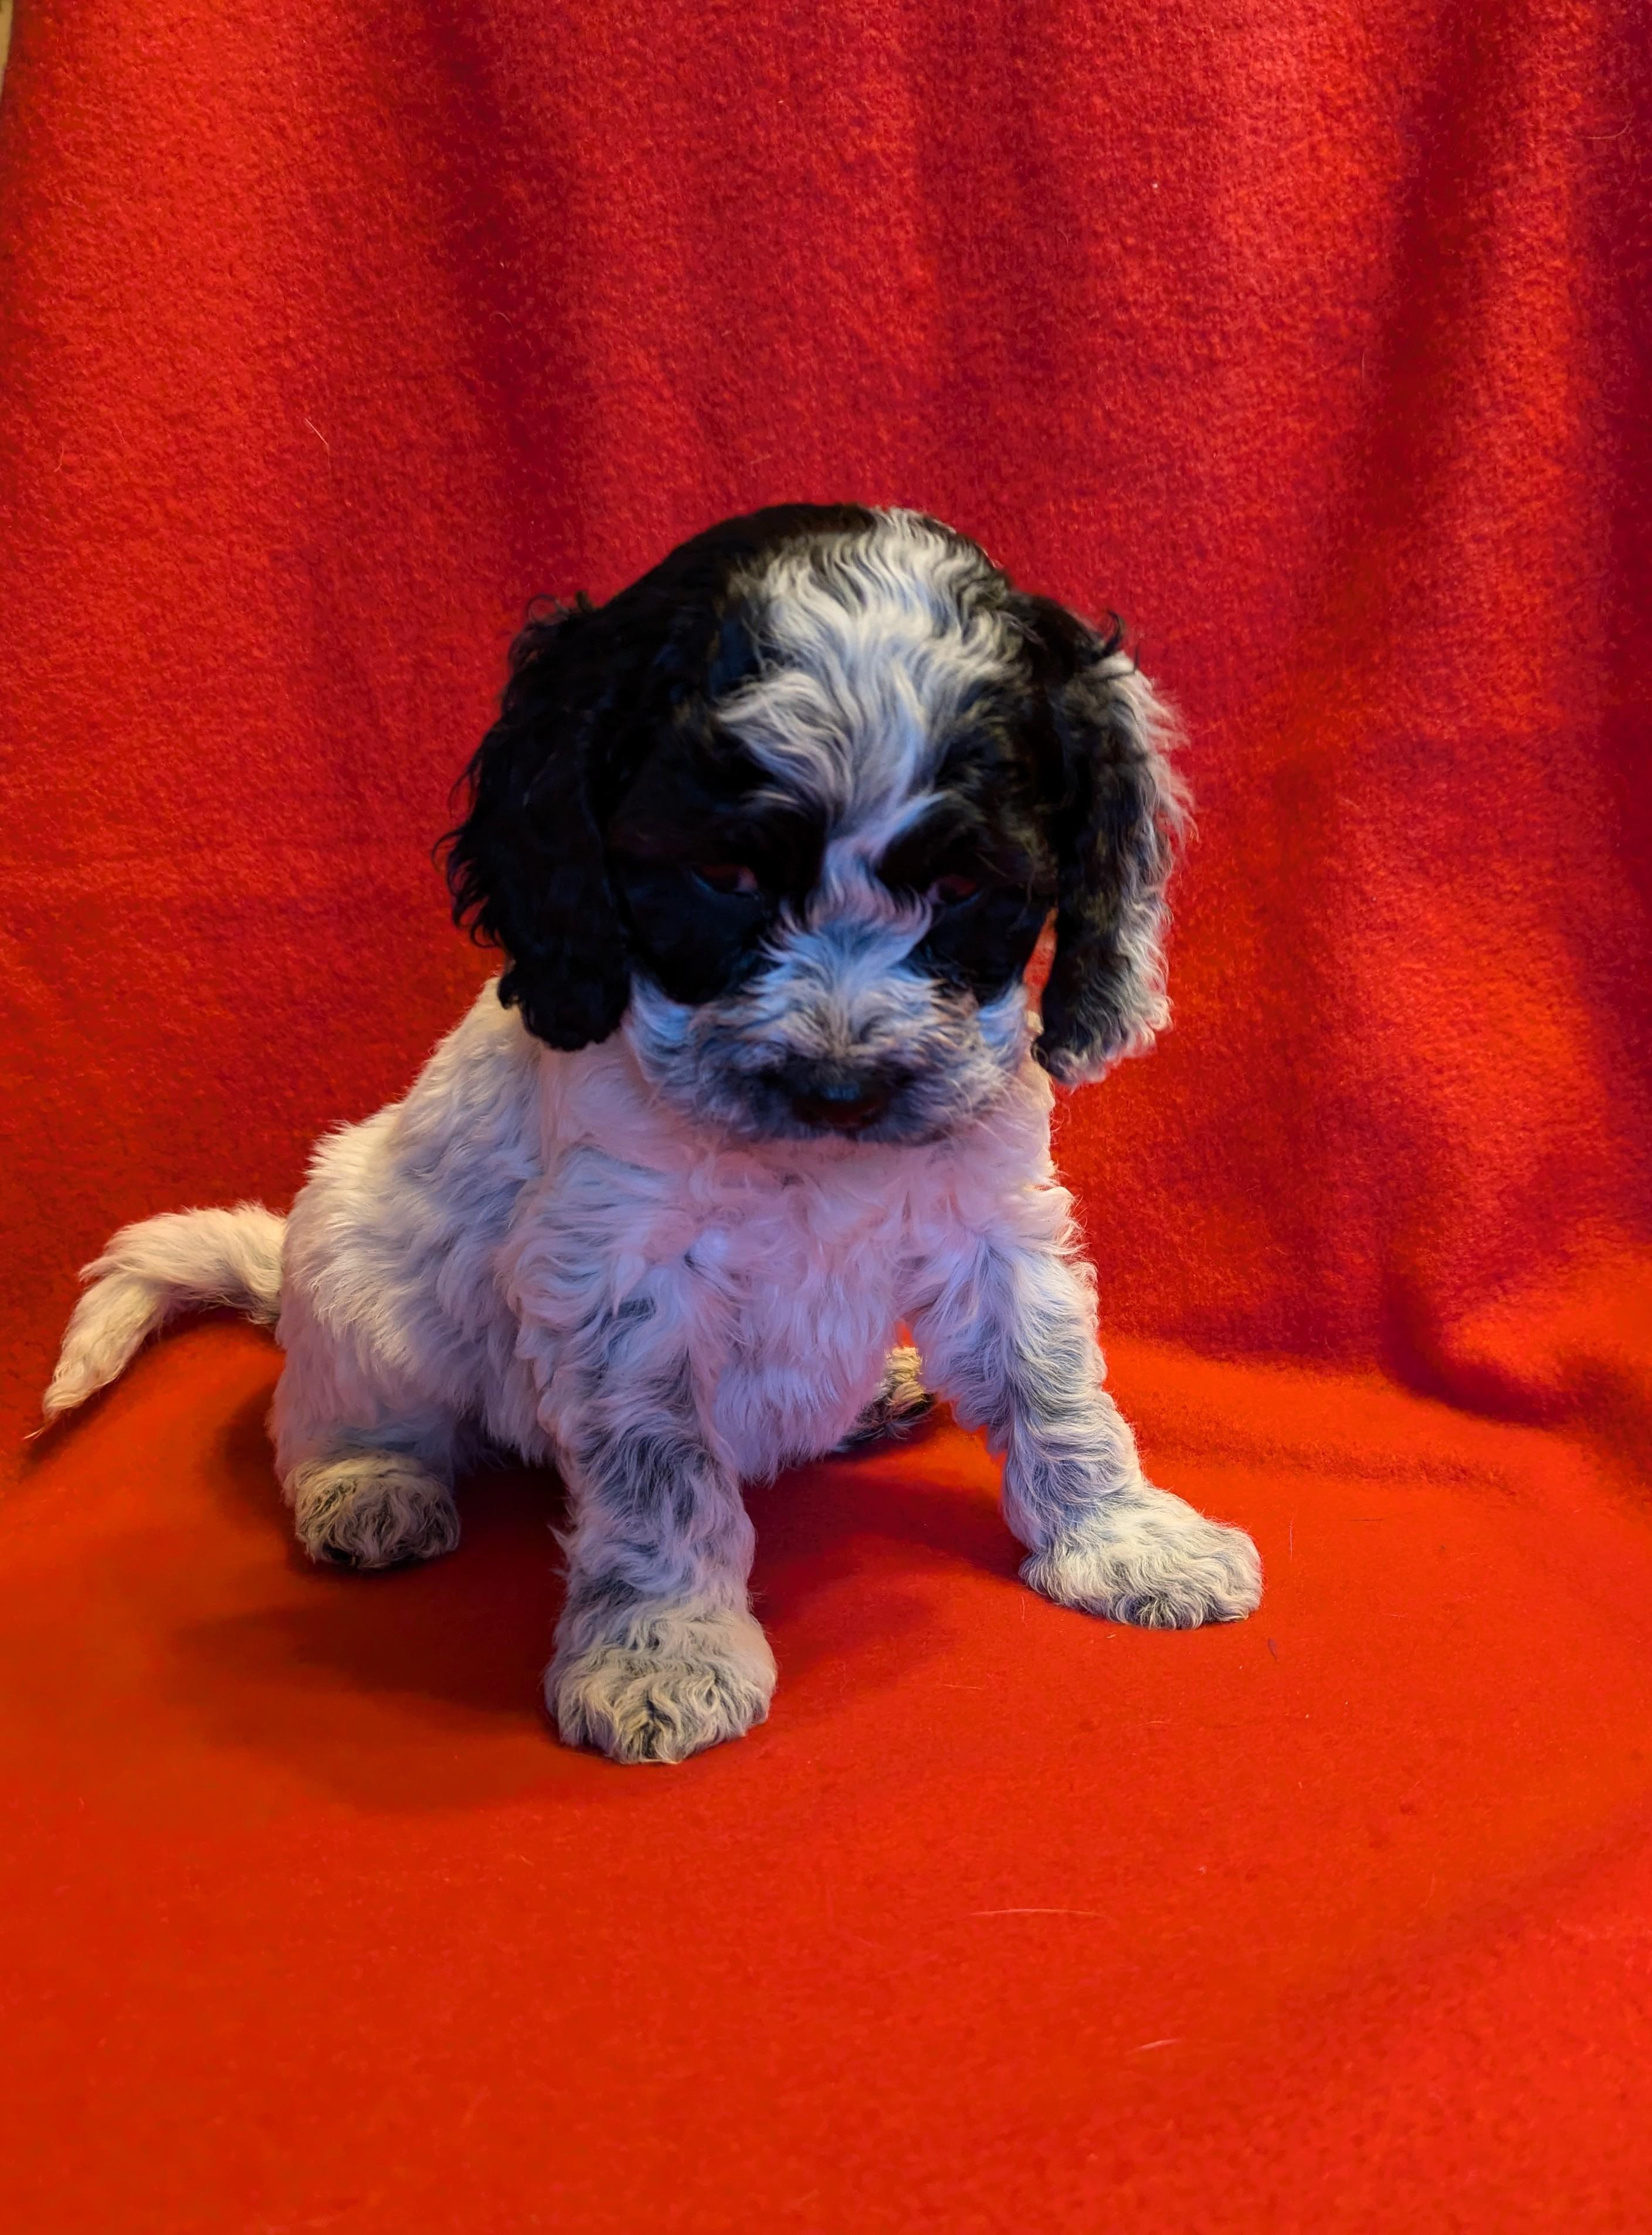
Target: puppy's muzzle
(839, 1097)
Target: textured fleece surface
(1313, 336)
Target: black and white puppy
(768, 842)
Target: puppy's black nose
(839, 1100)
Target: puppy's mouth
(837, 1098)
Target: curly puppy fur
(767, 842)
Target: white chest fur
(777, 1288)
(775, 1275)
(812, 1275)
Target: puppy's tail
(156, 1270)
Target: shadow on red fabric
(1314, 341)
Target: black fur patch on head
(692, 819)
(982, 851)
(593, 692)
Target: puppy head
(794, 808)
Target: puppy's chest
(807, 1287)
(783, 1230)
(782, 1288)
(762, 1246)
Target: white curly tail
(156, 1268)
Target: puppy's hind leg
(901, 1402)
(372, 1508)
(367, 1470)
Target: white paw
(1151, 1560)
(673, 1683)
(372, 1509)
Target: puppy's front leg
(1010, 1337)
(657, 1653)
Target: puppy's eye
(951, 891)
(728, 879)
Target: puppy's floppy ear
(527, 868)
(1121, 810)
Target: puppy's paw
(673, 1684)
(372, 1509)
(902, 1401)
(1150, 1559)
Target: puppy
(768, 842)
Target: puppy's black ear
(1122, 808)
(527, 868)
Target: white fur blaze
(150, 1272)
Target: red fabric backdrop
(1314, 337)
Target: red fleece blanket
(1313, 339)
